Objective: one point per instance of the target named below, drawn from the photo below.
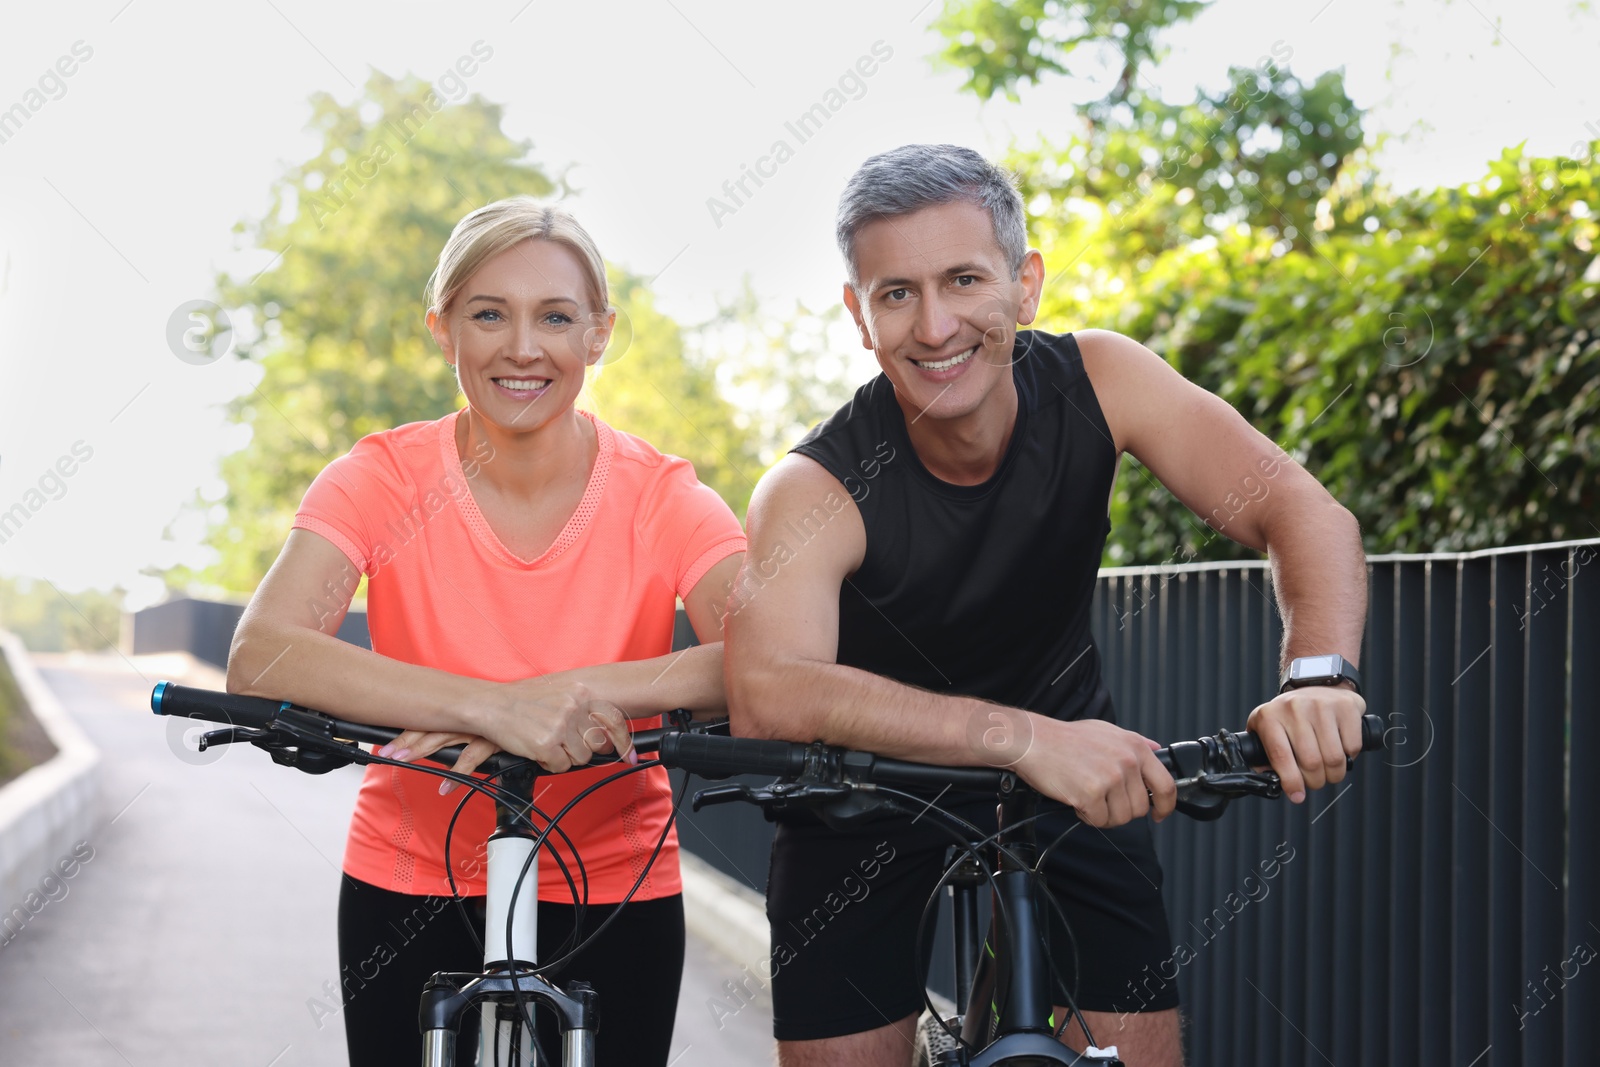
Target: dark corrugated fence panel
(1425, 753)
(1543, 626)
(1471, 695)
(1409, 832)
(1504, 811)
(1581, 1025)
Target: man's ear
(441, 336)
(1032, 278)
(852, 302)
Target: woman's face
(520, 334)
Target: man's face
(938, 305)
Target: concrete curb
(48, 808)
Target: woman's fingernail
(403, 755)
(445, 787)
(633, 757)
(1297, 797)
(385, 750)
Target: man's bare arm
(784, 681)
(1247, 488)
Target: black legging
(389, 943)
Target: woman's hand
(418, 744)
(555, 721)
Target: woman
(523, 561)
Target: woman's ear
(598, 335)
(441, 336)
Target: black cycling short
(844, 908)
(389, 943)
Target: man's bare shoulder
(799, 494)
(794, 476)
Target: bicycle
(1008, 970)
(842, 786)
(509, 982)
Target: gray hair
(915, 176)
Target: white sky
(117, 200)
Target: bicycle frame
(1015, 978)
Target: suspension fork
(508, 963)
(968, 935)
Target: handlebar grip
(721, 757)
(235, 709)
(925, 776)
(1256, 756)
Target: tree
(1003, 44)
(786, 373)
(656, 386)
(48, 620)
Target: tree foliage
(1004, 44)
(785, 373)
(655, 384)
(1438, 374)
(338, 316)
(48, 620)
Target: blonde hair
(493, 228)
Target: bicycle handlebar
(1209, 771)
(260, 713)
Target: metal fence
(1440, 907)
(205, 628)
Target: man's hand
(1109, 775)
(1308, 733)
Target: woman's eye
(482, 316)
(556, 318)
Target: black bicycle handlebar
(1211, 770)
(260, 713)
(1254, 754)
(721, 757)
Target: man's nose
(936, 322)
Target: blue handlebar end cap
(157, 695)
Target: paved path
(156, 954)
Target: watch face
(1316, 667)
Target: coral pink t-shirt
(443, 592)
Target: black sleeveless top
(981, 590)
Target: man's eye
(897, 295)
(966, 280)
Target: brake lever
(778, 796)
(230, 735)
(1244, 783)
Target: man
(918, 584)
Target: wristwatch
(1319, 670)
